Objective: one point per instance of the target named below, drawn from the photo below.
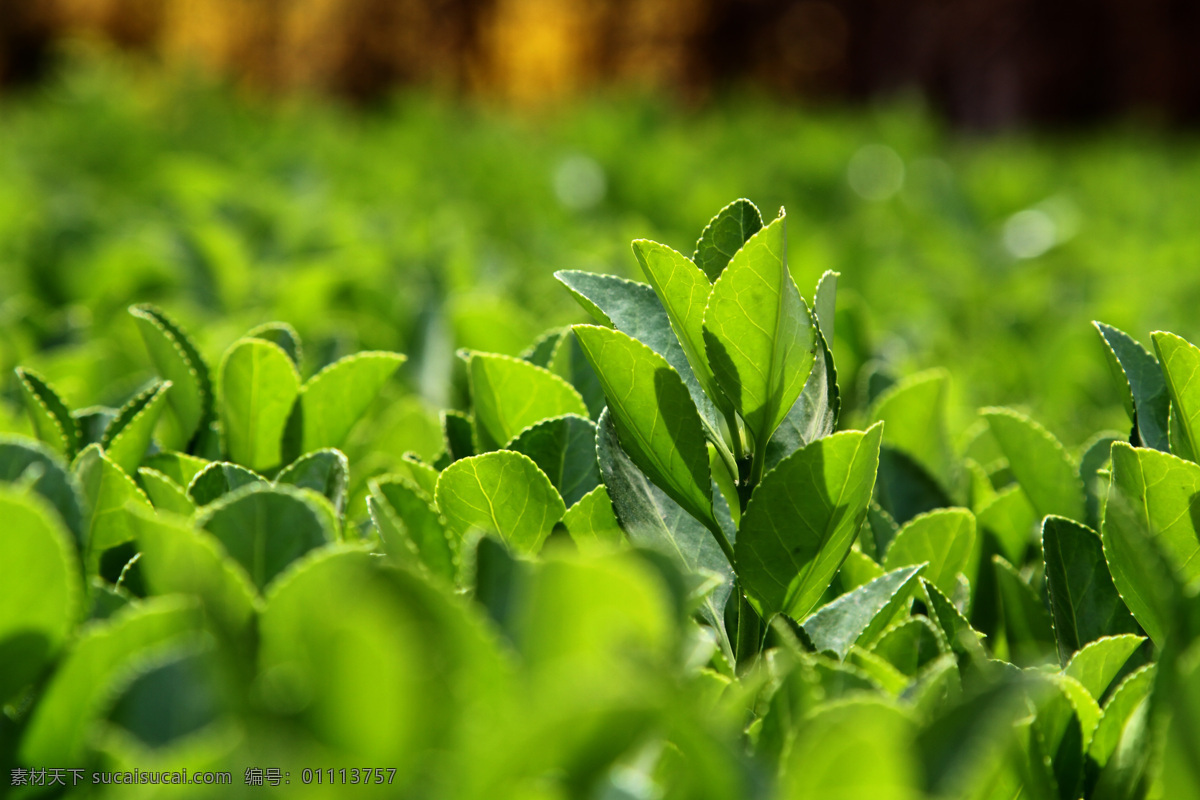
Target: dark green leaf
(1026, 621)
(23, 459)
(413, 526)
(1011, 520)
(164, 493)
(724, 235)
(1141, 379)
(1083, 600)
(457, 430)
(910, 644)
(565, 449)
(265, 528)
(508, 395)
(541, 352)
(218, 479)
(52, 420)
(815, 412)
(282, 334)
(326, 472)
(177, 360)
(906, 489)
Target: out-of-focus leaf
(165, 493)
(127, 437)
(914, 413)
(52, 420)
(1011, 520)
(107, 491)
(219, 478)
(1026, 621)
(177, 360)
(592, 523)
(326, 472)
(417, 528)
(282, 334)
(23, 460)
(1040, 464)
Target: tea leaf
(258, 385)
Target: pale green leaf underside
(861, 615)
(802, 519)
(656, 422)
(258, 386)
(508, 395)
(758, 334)
(503, 493)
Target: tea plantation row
(652, 559)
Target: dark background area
(986, 64)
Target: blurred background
(987, 176)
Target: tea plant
(651, 561)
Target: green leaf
(655, 420)
(652, 519)
(501, 492)
(177, 360)
(107, 490)
(52, 420)
(508, 395)
(1093, 475)
(127, 437)
(802, 519)
(1100, 661)
(859, 748)
(40, 585)
(265, 528)
(331, 401)
(1126, 698)
(282, 334)
(179, 467)
(178, 559)
(421, 529)
(914, 413)
(911, 644)
(860, 616)
(964, 640)
(218, 479)
(326, 472)
(825, 303)
(60, 727)
(258, 386)
(456, 429)
(635, 310)
(944, 539)
(23, 459)
(565, 449)
(419, 472)
(906, 489)
(684, 290)
(1152, 497)
(1083, 601)
(164, 493)
(91, 423)
(758, 334)
(591, 522)
(857, 570)
(1011, 520)
(1145, 391)
(1180, 364)
(541, 353)
(814, 414)
(724, 235)
(881, 671)
(1026, 621)
(1039, 463)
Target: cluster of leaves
(649, 561)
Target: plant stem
(736, 436)
(758, 463)
(715, 529)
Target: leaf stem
(758, 463)
(736, 436)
